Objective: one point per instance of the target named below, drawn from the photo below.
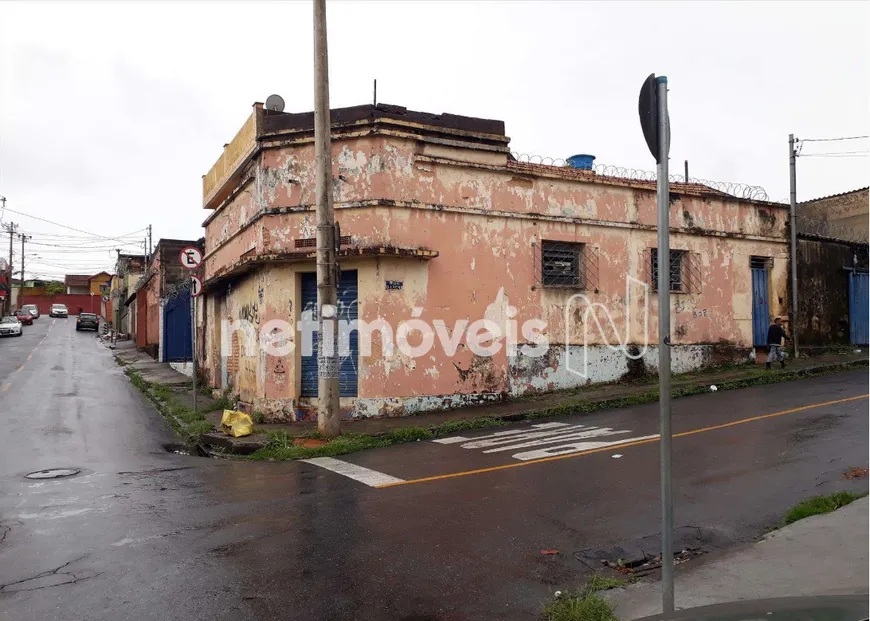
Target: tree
(54, 288)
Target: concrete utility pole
(149, 241)
(21, 285)
(792, 195)
(664, 282)
(10, 228)
(328, 409)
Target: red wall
(141, 319)
(89, 303)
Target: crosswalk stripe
(372, 478)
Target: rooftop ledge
(248, 261)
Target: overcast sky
(110, 113)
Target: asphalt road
(423, 531)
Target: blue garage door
(347, 311)
(760, 307)
(859, 298)
(177, 346)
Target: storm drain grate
(52, 473)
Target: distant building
(98, 284)
(162, 294)
(832, 266)
(77, 284)
(844, 216)
(128, 269)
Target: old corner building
(436, 214)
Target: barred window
(764, 263)
(567, 264)
(684, 273)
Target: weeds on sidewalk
(817, 505)
(225, 401)
(281, 445)
(189, 424)
(756, 377)
(584, 604)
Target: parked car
(10, 326)
(58, 310)
(32, 309)
(24, 317)
(87, 321)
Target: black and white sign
(195, 286)
(190, 257)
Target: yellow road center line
(532, 462)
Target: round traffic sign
(195, 286)
(190, 257)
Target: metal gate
(177, 346)
(760, 307)
(859, 298)
(347, 311)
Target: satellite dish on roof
(275, 102)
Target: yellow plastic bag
(236, 424)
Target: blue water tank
(582, 161)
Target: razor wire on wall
(739, 190)
(831, 230)
(178, 289)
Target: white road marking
(580, 433)
(616, 456)
(453, 440)
(372, 478)
(500, 434)
(552, 438)
(574, 447)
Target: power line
(843, 154)
(833, 139)
(26, 215)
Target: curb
(234, 446)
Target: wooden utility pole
(10, 228)
(328, 421)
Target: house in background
(162, 300)
(128, 269)
(77, 284)
(98, 284)
(832, 266)
(439, 221)
(844, 216)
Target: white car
(58, 310)
(10, 326)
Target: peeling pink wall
(486, 223)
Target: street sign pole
(664, 282)
(193, 339)
(191, 258)
(654, 121)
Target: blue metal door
(177, 346)
(760, 307)
(347, 312)
(859, 298)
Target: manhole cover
(53, 473)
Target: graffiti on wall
(250, 312)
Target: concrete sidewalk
(594, 397)
(151, 371)
(820, 555)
